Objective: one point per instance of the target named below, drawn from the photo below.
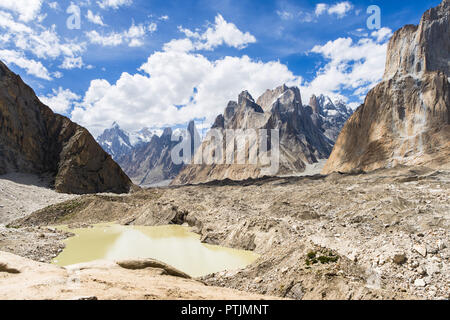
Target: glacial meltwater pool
(174, 245)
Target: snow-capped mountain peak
(143, 136)
(118, 142)
(330, 116)
(115, 141)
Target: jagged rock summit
(405, 120)
(328, 115)
(118, 142)
(281, 109)
(115, 141)
(33, 139)
(151, 163)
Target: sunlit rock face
(415, 50)
(405, 120)
(301, 141)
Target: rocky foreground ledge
(21, 278)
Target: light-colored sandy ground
(21, 278)
(22, 194)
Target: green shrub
(325, 259)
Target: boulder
(420, 249)
(139, 264)
(420, 283)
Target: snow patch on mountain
(328, 115)
(118, 142)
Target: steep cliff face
(35, 140)
(405, 120)
(301, 142)
(151, 163)
(414, 50)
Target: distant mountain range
(306, 133)
(405, 120)
(118, 142)
(328, 115)
(145, 154)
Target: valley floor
(381, 235)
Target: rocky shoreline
(38, 244)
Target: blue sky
(156, 63)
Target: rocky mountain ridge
(35, 140)
(302, 138)
(150, 163)
(118, 142)
(328, 115)
(405, 120)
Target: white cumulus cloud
(114, 4)
(321, 8)
(43, 43)
(134, 36)
(171, 79)
(285, 15)
(54, 5)
(60, 101)
(48, 44)
(220, 33)
(26, 9)
(353, 66)
(8, 22)
(339, 9)
(31, 66)
(382, 34)
(111, 39)
(72, 63)
(95, 18)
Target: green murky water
(174, 245)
